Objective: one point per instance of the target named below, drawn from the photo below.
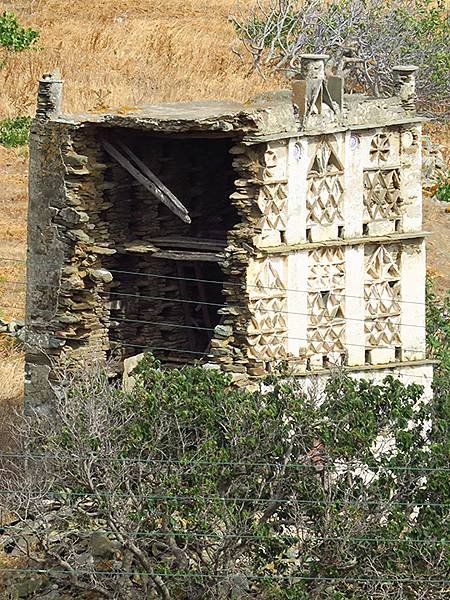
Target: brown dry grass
(13, 208)
(11, 390)
(115, 53)
(13, 230)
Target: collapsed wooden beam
(147, 178)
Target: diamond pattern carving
(325, 195)
(272, 202)
(326, 270)
(326, 302)
(382, 199)
(267, 330)
(382, 296)
(268, 315)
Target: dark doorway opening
(167, 289)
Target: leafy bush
(443, 189)
(13, 36)
(436, 521)
(438, 332)
(15, 132)
(200, 490)
(380, 34)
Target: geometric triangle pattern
(325, 307)
(266, 347)
(272, 202)
(267, 326)
(382, 263)
(325, 196)
(326, 301)
(326, 269)
(268, 282)
(268, 316)
(382, 199)
(326, 339)
(324, 201)
(325, 161)
(382, 296)
(384, 332)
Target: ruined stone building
(286, 229)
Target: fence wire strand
(215, 304)
(229, 283)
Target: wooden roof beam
(142, 174)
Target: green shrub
(13, 36)
(443, 189)
(202, 490)
(15, 132)
(438, 338)
(438, 331)
(213, 491)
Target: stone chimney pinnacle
(405, 85)
(49, 95)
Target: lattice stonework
(382, 296)
(272, 202)
(326, 301)
(268, 305)
(324, 200)
(382, 198)
(272, 198)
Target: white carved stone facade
(342, 237)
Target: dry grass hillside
(125, 52)
(114, 53)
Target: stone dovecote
(285, 230)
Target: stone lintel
(258, 139)
(385, 239)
